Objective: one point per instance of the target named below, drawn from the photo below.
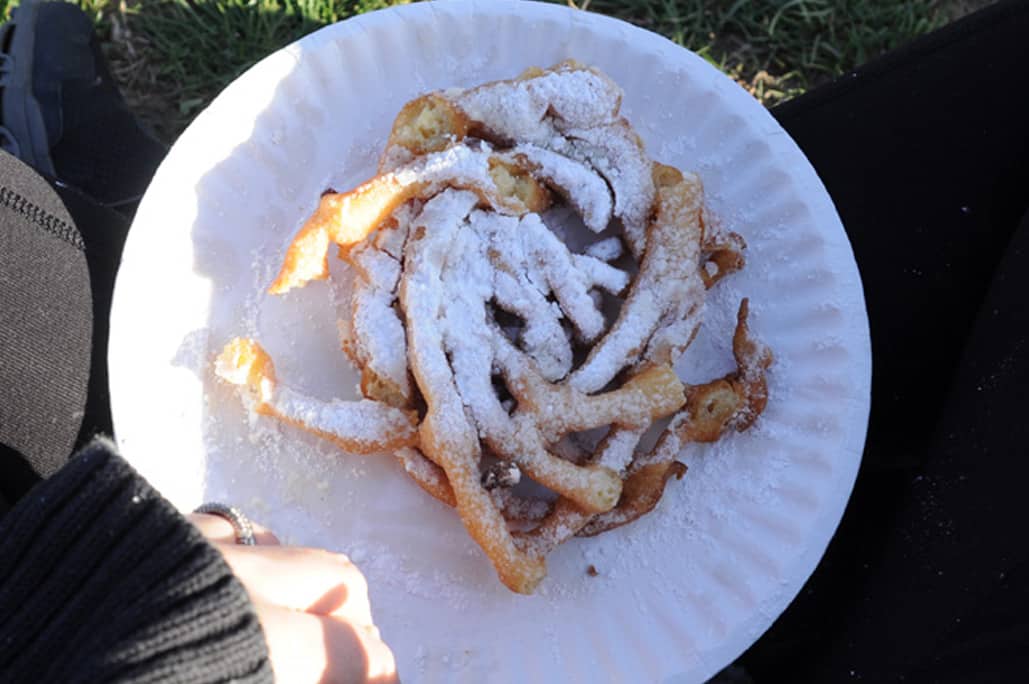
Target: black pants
(925, 155)
(59, 253)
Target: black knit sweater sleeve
(101, 580)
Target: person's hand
(313, 606)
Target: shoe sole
(22, 118)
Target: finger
(309, 580)
(217, 529)
(318, 648)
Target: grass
(779, 48)
(191, 49)
(172, 56)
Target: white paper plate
(680, 593)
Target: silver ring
(240, 523)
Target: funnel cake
(486, 344)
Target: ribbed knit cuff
(101, 580)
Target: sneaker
(63, 114)
(23, 133)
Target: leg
(46, 328)
(948, 601)
(62, 227)
(924, 153)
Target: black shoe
(62, 112)
(24, 133)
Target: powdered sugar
(599, 274)
(531, 262)
(520, 110)
(457, 261)
(607, 249)
(556, 268)
(617, 154)
(377, 332)
(579, 183)
(572, 112)
(452, 347)
(667, 286)
(450, 437)
(617, 450)
(361, 421)
(421, 567)
(422, 296)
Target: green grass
(172, 56)
(197, 47)
(779, 48)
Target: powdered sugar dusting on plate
(423, 570)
